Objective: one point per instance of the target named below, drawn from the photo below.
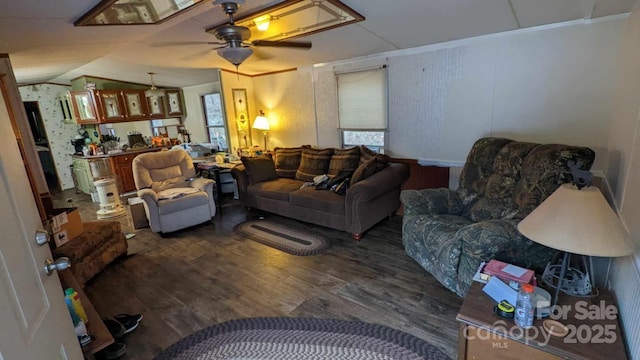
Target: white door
(34, 321)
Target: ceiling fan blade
(261, 54)
(290, 44)
(182, 43)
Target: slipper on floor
(129, 322)
(113, 351)
(126, 317)
(116, 328)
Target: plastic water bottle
(525, 308)
(73, 296)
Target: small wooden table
(485, 335)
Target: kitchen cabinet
(121, 165)
(136, 105)
(82, 175)
(155, 105)
(123, 105)
(111, 106)
(174, 103)
(84, 106)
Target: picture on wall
(241, 113)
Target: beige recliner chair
(173, 197)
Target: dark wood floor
(208, 274)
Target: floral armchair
(449, 233)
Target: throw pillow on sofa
(287, 161)
(259, 168)
(313, 162)
(363, 171)
(366, 154)
(344, 159)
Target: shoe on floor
(116, 328)
(130, 322)
(113, 351)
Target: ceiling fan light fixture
(262, 22)
(153, 91)
(235, 55)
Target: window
(214, 120)
(362, 108)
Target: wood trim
(105, 4)
(356, 15)
(44, 83)
(21, 129)
(115, 80)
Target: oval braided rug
(283, 237)
(300, 338)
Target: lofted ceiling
(45, 46)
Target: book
(509, 272)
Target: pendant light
(153, 91)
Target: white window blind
(362, 100)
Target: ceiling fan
(237, 47)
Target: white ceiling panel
(540, 12)
(419, 22)
(44, 45)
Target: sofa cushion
(260, 168)
(287, 161)
(344, 159)
(321, 200)
(278, 189)
(363, 171)
(313, 162)
(367, 154)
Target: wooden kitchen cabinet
(111, 106)
(136, 105)
(174, 103)
(84, 106)
(156, 108)
(122, 167)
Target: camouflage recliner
(449, 233)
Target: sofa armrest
(150, 199)
(239, 173)
(501, 240)
(379, 183)
(206, 185)
(431, 202)
(203, 184)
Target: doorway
(39, 134)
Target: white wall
(624, 177)
(287, 101)
(195, 120)
(59, 133)
(228, 82)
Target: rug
(300, 338)
(283, 237)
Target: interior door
(34, 321)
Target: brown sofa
(366, 202)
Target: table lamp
(576, 219)
(262, 123)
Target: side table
(594, 330)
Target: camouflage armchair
(449, 233)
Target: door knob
(42, 237)
(61, 263)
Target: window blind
(362, 100)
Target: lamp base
(573, 281)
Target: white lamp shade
(261, 123)
(577, 221)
